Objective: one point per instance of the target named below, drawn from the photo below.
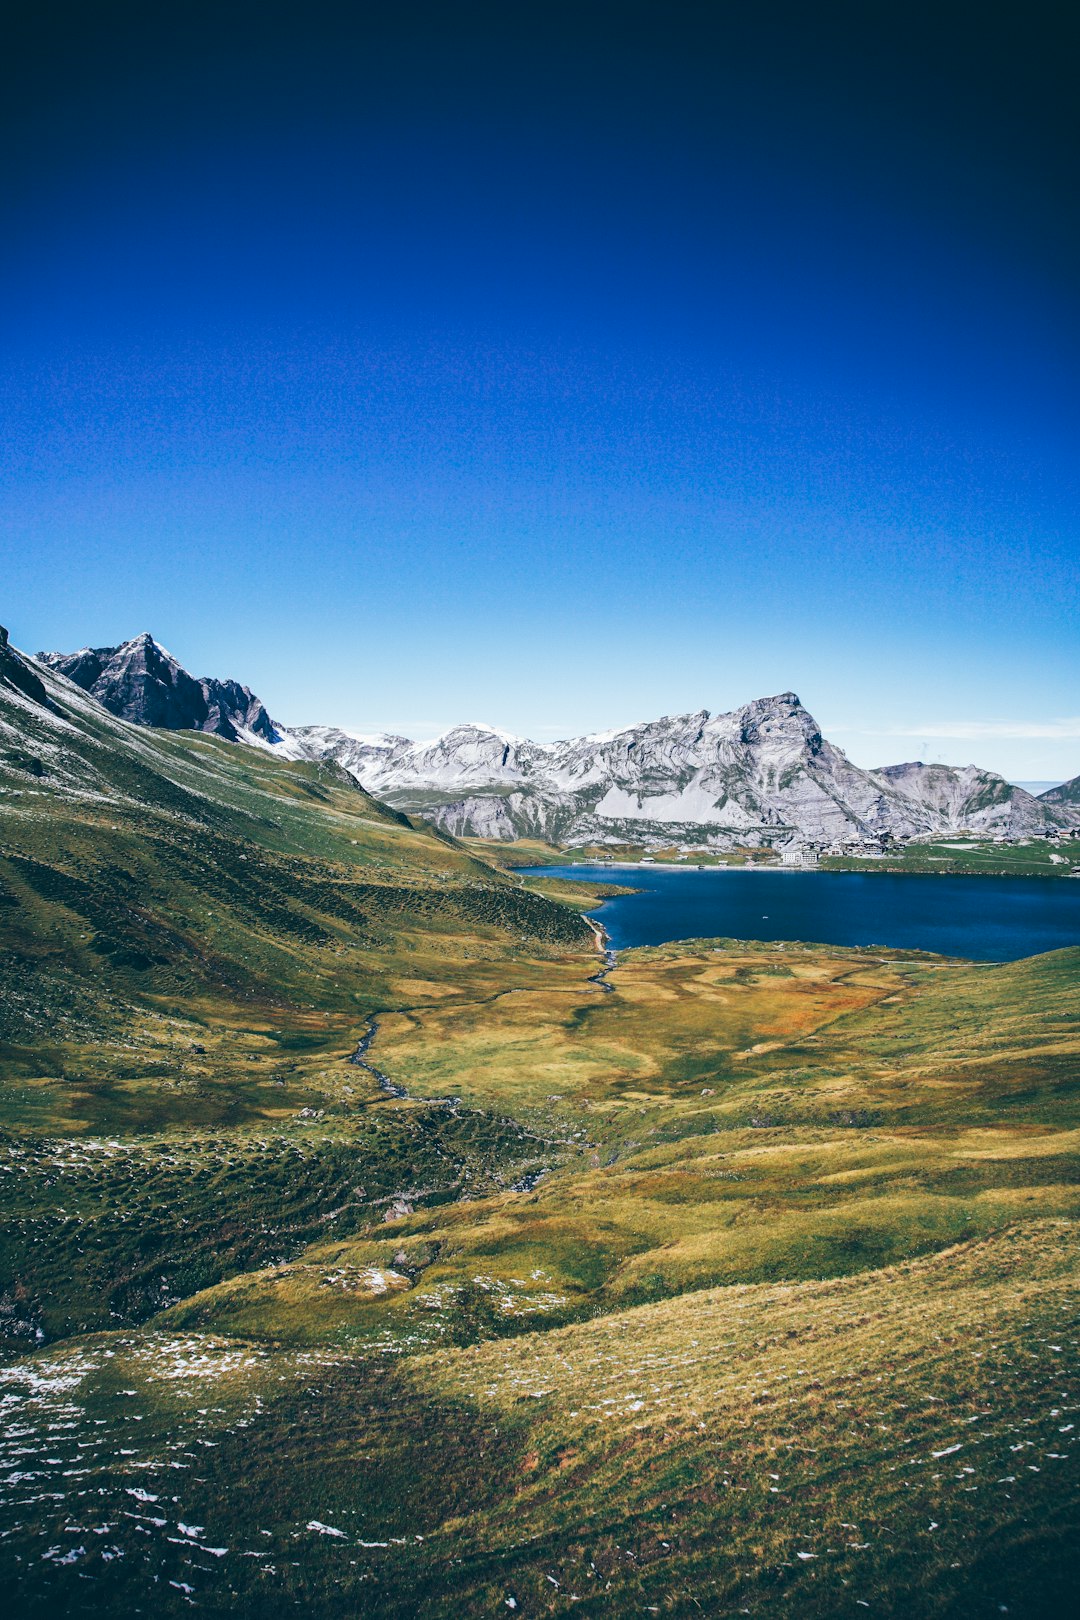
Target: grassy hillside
(1032, 857)
(737, 1115)
(902, 1440)
(193, 937)
(740, 1278)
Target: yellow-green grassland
(369, 1249)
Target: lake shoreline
(1000, 920)
(871, 869)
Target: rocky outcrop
(355, 751)
(760, 773)
(142, 682)
(16, 673)
(478, 817)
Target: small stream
(356, 1058)
(608, 954)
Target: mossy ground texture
(741, 1280)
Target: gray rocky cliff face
(761, 771)
(140, 681)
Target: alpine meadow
(539, 810)
(365, 1247)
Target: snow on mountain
(16, 674)
(763, 770)
(466, 756)
(355, 751)
(141, 681)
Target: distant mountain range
(760, 772)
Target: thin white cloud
(972, 730)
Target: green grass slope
(192, 937)
(901, 1441)
(741, 1279)
(733, 1114)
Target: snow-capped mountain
(141, 681)
(354, 750)
(763, 770)
(466, 756)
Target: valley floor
(736, 1279)
(753, 1289)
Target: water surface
(990, 918)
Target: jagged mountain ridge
(142, 682)
(762, 770)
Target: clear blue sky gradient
(556, 367)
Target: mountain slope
(142, 682)
(604, 1296)
(194, 938)
(965, 796)
(176, 867)
(763, 770)
(1066, 796)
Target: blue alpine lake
(987, 918)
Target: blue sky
(555, 366)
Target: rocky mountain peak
(779, 722)
(759, 772)
(762, 770)
(141, 681)
(16, 673)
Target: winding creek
(359, 1060)
(609, 955)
